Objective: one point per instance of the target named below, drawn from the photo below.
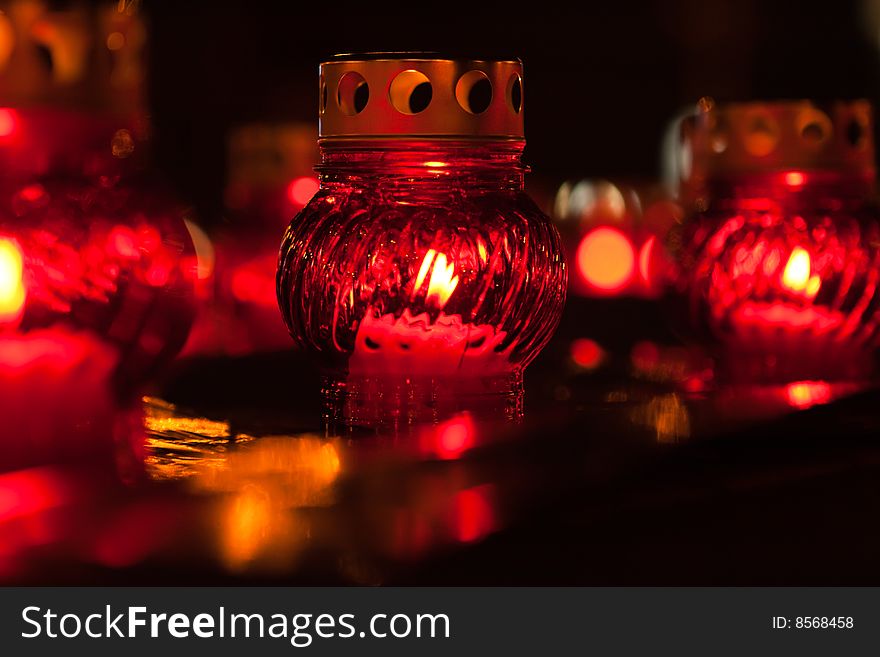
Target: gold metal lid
(394, 95)
(764, 137)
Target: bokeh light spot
(606, 259)
(794, 179)
(8, 122)
(586, 353)
(301, 190)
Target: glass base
(397, 404)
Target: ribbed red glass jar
(781, 255)
(421, 275)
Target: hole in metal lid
(353, 93)
(474, 92)
(516, 95)
(410, 92)
(855, 133)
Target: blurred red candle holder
(780, 259)
(105, 246)
(56, 399)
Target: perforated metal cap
(762, 137)
(397, 95)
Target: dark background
(602, 79)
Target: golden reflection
(263, 486)
(296, 470)
(162, 417)
(256, 532)
(667, 416)
(195, 425)
(269, 483)
(178, 446)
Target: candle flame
(443, 280)
(796, 276)
(12, 291)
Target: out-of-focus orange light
(247, 525)
(8, 121)
(115, 41)
(794, 179)
(606, 259)
(586, 353)
(12, 291)
(667, 415)
(803, 394)
(265, 484)
(301, 190)
(796, 276)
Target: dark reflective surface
(622, 473)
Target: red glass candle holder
(105, 246)
(421, 275)
(780, 258)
